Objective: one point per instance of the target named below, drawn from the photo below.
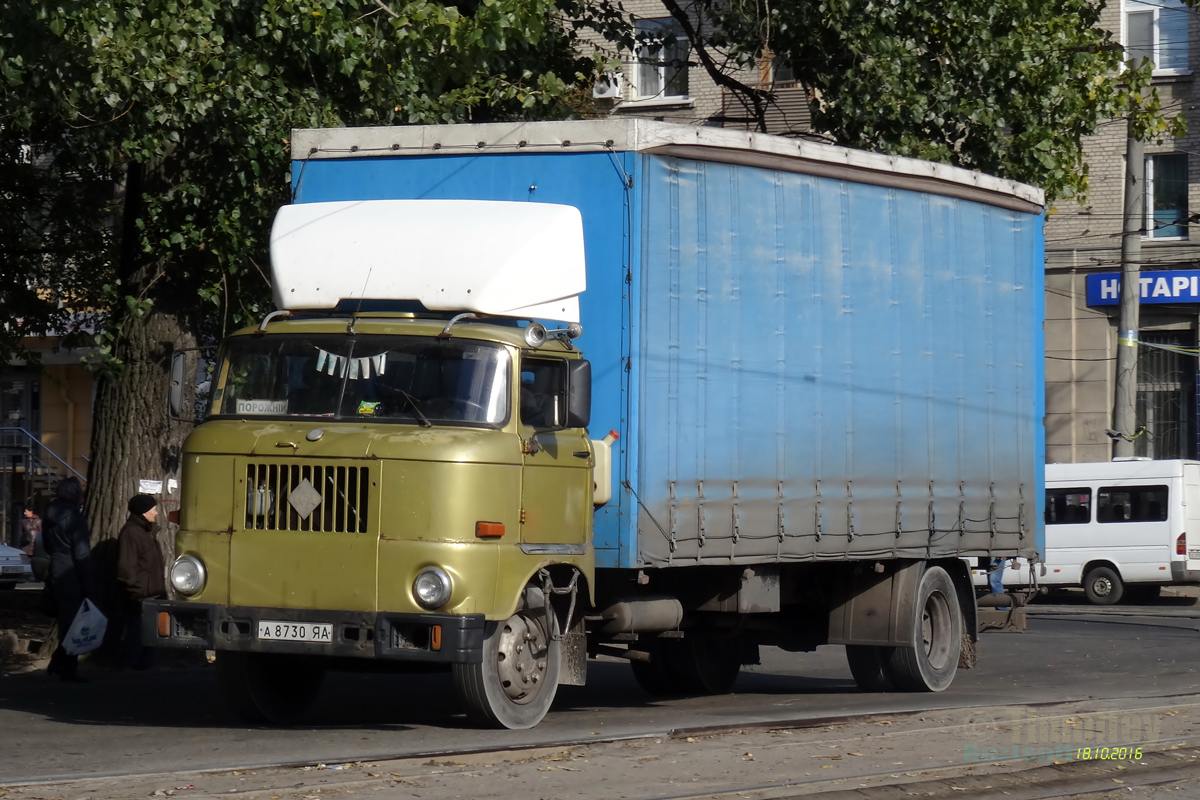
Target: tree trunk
(133, 438)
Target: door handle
(581, 454)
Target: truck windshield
(409, 379)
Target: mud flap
(1011, 620)
(875, 606)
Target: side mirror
(175, 393)
(579, 393)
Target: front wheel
(515, 683)
(1103, 586)
(265, 688)
(931, 661)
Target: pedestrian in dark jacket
(141, 575)
(31, 528)
(72, 576)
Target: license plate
(1194, 553)
(11, 570)
(295, 631)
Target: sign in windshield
(417, 380)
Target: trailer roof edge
(662, 138)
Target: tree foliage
(144, 146)
(1008, 87)
(179, 111)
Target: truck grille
(343, 492)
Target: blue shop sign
(1160, 286)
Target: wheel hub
(1102, 586)
(522, 657)
(935, 626)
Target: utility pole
(1125, 407)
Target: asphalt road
(170, 720)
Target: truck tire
(264, 688)
(869, 666)
(1103, 586)
(704, 664)
(930, 663)
(654, 676)
(514, 686)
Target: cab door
(556, 474)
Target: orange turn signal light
(489, 530)
(164, 623)
(435, 638)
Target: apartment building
(664, 80)
(1083, 245)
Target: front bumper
(427, 638)
(1180, 573)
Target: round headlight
(432, 588)
(188, 575)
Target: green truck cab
(408, 487)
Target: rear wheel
(266, 688)
(654, 676)
(869, 666)
(706, 663)
(931, 661)
(514, 686)
(1103, 586)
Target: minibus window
(1068, 506)
(1131, 504)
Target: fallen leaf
(748, 756)
(855, 754)
(1117, 781)
(372, 774)
(827, 766)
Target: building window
(1157, 30)
(662, 56)
(1167, 196)
(1166, 397)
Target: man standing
(140, 573)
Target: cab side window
(1068, 506)
(1131, 504)
(543, 392)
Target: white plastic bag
(86, 632)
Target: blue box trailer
(811, 354)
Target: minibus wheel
(515, 683)
(931, 661)
(1103, 586)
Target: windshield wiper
(412, 401)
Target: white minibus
(1117, 527)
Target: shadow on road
(190, 697)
